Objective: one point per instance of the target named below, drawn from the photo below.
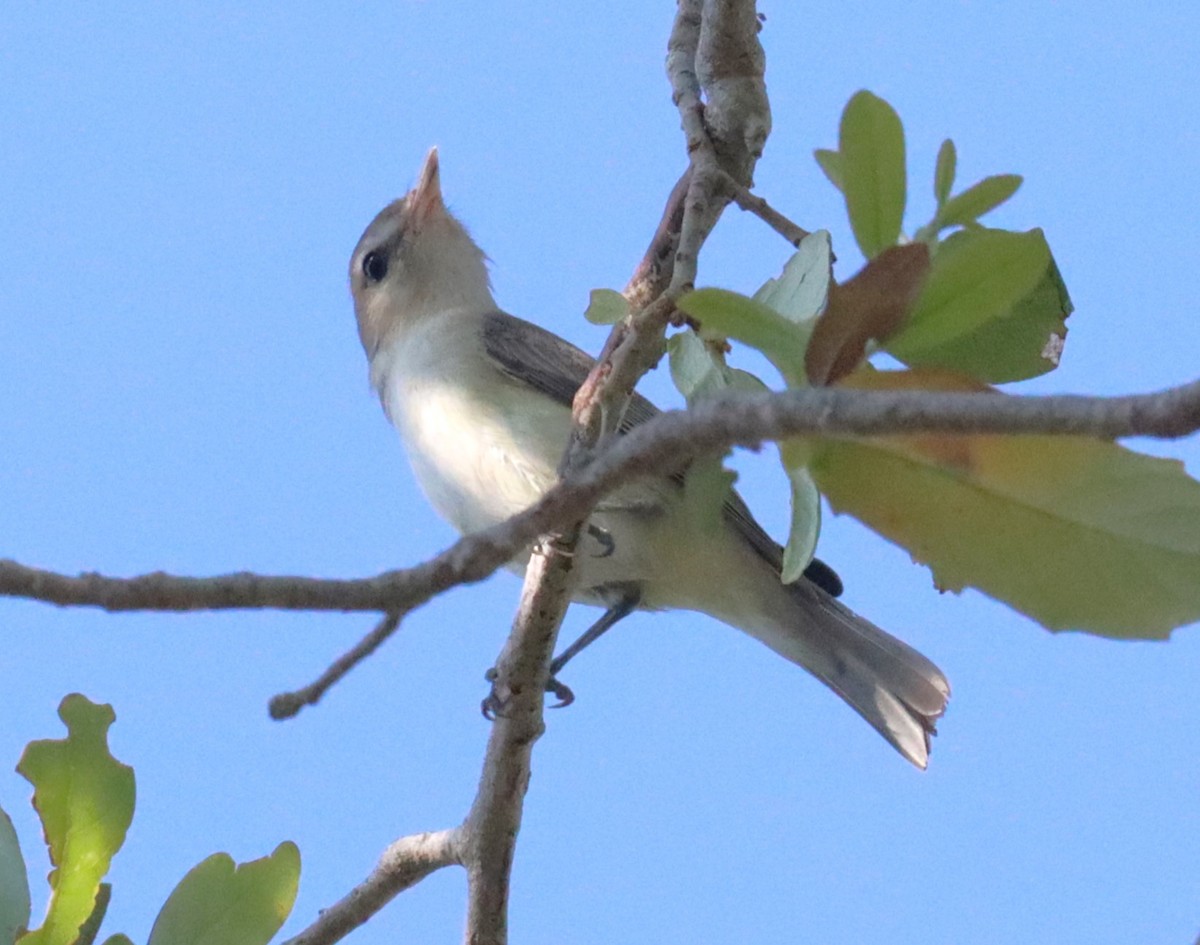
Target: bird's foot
(494, 704)
(561, 692)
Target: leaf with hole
(977, 276)
(1022, 333)
(1024, 342)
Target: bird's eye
(374, 266)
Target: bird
(482, 400)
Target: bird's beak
(425, 199)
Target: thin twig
(403, 864)
(286, 704)
(755, 204)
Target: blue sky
(181, 388)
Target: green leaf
(14, 884)
(805, 525)
(977, 200)
(830, 163)
(118, 940)
(1024, 342)
(1074, 532)
(977, 276)
(706, 487)
(943, 175)
(871, 145)
(85, 799)
(606, 307)
(802, 289)
(728, 315)
(218, 904)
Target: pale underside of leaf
(805, 526)
(800, 292)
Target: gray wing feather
(534, 356)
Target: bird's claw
(562, 693)
(493, 705)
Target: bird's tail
(887, 682)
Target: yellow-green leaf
(14, 884)
(1076, 533)
(727, 314)
(943, 175)
(977, 276)
(977, 200)
(873, 171)
(830, 163)
(217, 903)
(85, 799)
(606, 307)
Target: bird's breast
(481, 446)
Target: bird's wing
(534, 356)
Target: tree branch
(490, 830)
(405, 863)
(730, 64)
(674, 438)
(632, 349)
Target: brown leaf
(873, 304)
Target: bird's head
(414, 261)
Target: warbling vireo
(482, 401)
